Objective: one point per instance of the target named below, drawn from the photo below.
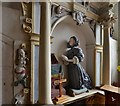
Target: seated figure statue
(78, 79)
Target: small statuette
(19, 98)
(20, 70)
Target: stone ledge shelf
(65, 99)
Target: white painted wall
(12, 36)
(36, 17)
(113, 60)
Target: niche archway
(63, 30)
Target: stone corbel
(92, 24)
(57, 12)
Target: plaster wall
(113, 60)
(12, 35)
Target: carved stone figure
(79, 17)
(92, 24)
(21, 67)
(78, 79)
(19, 98)
(59, 9)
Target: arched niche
(63, 30)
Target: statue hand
(75, 60)
(64, 58)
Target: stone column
(44, 57)
(106, 57)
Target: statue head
(73, 41)
(23, 46)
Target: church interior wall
(0, 53)
(12, 36)
(114, 60)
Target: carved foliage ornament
(79, 17)
(28, 21)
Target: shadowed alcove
(67, 28)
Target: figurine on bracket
(78, 79)
(20, 70)
(20, 97)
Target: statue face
(71, 42)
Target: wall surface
(116, 28)
(0, 54)
(12, 36)
(113, 60)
